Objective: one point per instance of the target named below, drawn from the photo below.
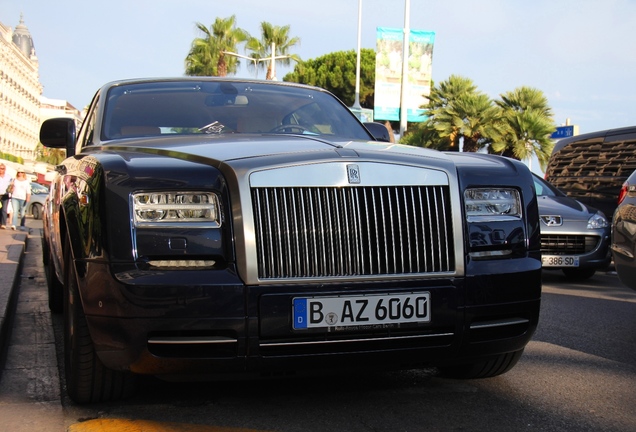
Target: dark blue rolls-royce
(205, 227)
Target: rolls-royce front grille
(347, 231)
(555, 244)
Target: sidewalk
(12, 247)
(30, 393)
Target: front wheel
(53, 284)
(87, 379)
(36, 211)
(482, 369)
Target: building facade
(20, 92)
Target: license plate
(346, 311)
(559, 261)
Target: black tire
(482, 369)
(36, 211)
(579, 274)
(45, 251)
(53, 284)
(87, 379)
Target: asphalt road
(577, 374)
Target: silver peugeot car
(574, 237)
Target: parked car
(36, 203)
(592, 167)
(575, 238)
(624, 233)
(206, 227)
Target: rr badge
(353, 173)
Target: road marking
(123, 425)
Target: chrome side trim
(278, 344)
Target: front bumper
(598, 256)
(153, 324)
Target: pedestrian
(9, 211)
(20, 197)
(5, 197)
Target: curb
(14, 246)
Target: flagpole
(405, 68)
(356, 103)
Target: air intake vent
(556, 244)
(347, 231)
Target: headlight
(492, 204)
(173, 208)
(597, 221)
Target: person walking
(19, 198)
(5, 197)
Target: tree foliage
(279, 38)
(457, 113)
(518, 125)
(49, 155)
(336, 72)
(207, 54)
(529, 124)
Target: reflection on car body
(36, 202)
(217, 227)
(624, 233)
(574, 237)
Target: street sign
(563, 132)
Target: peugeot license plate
(559, 261)
(345, 311)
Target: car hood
(226, 148)
(569, 209)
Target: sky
(580, 53)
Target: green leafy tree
(279, 38)
(529, 124)
(336, 72)
(457, 112)
(49, 155)
(207, 54)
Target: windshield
(544, 188)
(222, 107)
(38, 189)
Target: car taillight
(623, 193)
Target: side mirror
(379, 131)
(59, 133)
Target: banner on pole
(388, 73)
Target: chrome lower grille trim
(498, 323)
(191, 340)
(336, 341)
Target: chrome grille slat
(364, 230)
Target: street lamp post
(252, 59)
(272, 60)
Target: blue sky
(580, 53)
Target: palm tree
(275, 37)
(529, 124)
(207, 54)
(458, 112)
